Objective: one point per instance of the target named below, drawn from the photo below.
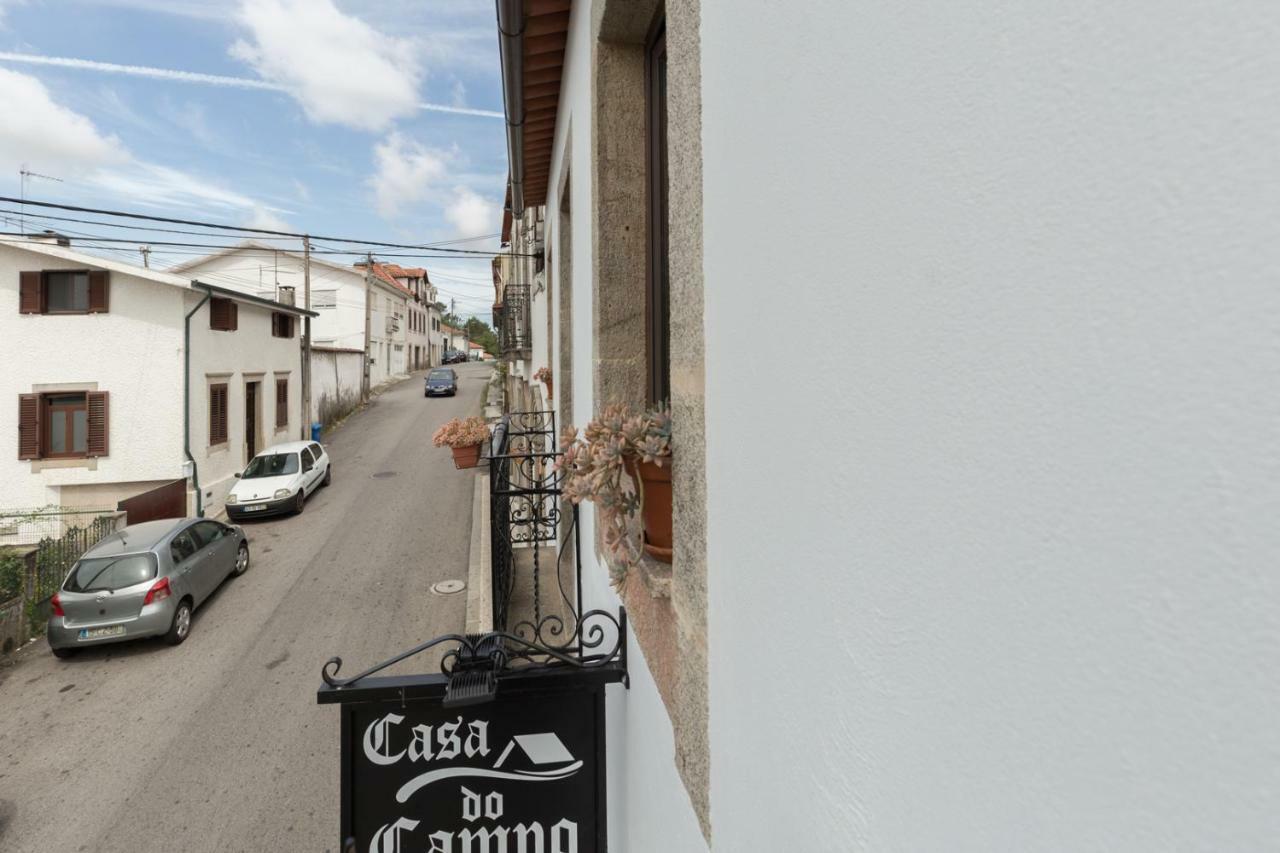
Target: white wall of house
(1011, 585)
(248, 354)
(133, 352)
(337, 292)
(649, 808)
(388, 361)
(336, 377)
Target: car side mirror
(236, 475)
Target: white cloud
(472, 214)
(407, 171)
(338, 68)
(264, 218)
(38, 131)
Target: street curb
(479, 579)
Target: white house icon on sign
(540, 749)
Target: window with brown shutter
(281, 324)
(282, 403)
(63, 291)
(218, 413)
(28, 426)
(223, 314)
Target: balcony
(512, 321)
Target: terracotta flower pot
(657, 507)
(467, 456)
(551, 395)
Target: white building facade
(994, 573)
(121, 366)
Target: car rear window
(110, 573)
(271, 465)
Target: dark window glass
(67, 291)
(271, 465)
(657, 313)
(110, 573)
(182, 547)
(207, 532)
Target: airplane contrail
(195, 77)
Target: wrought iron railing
(512, 319)
(528, 514)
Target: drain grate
(383, 475)
(448, 587)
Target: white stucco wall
(133, 352)
(255, 272)
(335, 382)
(649, 809)
(1011, 584)
(250, 353)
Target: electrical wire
(224, 227)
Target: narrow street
(218, 744)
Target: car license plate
(97, 633)
(254, 508)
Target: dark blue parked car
(441, 380)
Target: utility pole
(145, 251)
(368, 308)
(306, 338)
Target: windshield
(103, 573)
(439, 376)
(271, 465)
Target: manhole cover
(448, 587)
(382, 475)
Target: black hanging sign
(523, 772)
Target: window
(281, 324)
(182, 547)
(657, 316)
(110, 573)
(63, 292)
(282, 403)
(271, 465)
(65, 425)
(223, 314)
(218, 413)
(316, 450)
(308, 461)
(207, 532)
(324, 299)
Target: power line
(293, 234)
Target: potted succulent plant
(464, 437)
(543, 374)
(622, 463)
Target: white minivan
(279, 479)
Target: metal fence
(512, 319)
(60, 536)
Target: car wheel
(242, 560)
(300, 501)
(181, 626)
(64, 653)
(328, 475)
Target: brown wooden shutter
(217, 313)
(30, 292)
(29, 425)
(217, 414)
(99, 291)
(96, 402)
(282, 402)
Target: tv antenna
(23, 174)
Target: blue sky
(331, 123)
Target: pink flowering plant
(594, 464)
(461, 433)
(542, 374)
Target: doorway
(251, 419)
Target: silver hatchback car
(144, 581)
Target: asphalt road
(218, 744)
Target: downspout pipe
(186, 401)
(511, 49)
